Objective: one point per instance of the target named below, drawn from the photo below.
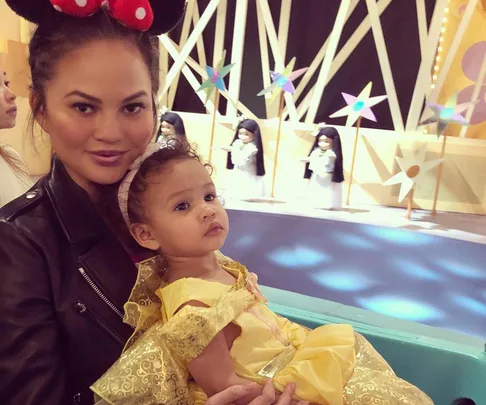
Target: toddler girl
(202, 325)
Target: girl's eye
(83, 108)
(134, 108)
(210, 197)
(7, 84)
(181, 207)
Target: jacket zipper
(83, 309)
(99, 293)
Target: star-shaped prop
(413, 169)
(283, 81)
(215, 78)
(359, 106)
(450, 113)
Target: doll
(171, 125)
(245, 159)
(324, 168)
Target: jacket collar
(77, 214)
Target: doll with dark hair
(245, 159)
(171, 126)
(324, 168)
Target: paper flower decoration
(413, 169)
(283, 81)
(215, 78)
(238, 120)
(319, 126)
(359, 106)
(162, 111)
(450, 113)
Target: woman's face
(245, 136)
(325, 143)
(8, 108)
(167, 129)
(99, 111)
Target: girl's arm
(213, 369)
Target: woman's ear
(40, 117)
(143, 235)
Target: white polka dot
(57, 8)
(140, 13)
(81, 3)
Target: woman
(94, 82)
(14, 176)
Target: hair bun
(167, 13)
(33, 11)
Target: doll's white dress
(244, 183)
(323, 192)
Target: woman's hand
(267, 397)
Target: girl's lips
(214, 230)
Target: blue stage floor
(409, 275)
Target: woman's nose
(108, 129)
(10, 95)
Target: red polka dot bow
(135, 14)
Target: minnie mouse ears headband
(155, 16)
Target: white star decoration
(413, 169)
(359, 106)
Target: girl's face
(99, 111)
(325, 143)
(167, 129)
(184, 216)
(8, 108)
(245, 136)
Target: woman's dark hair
(253, 127)
(62, 34)
(173, 119)
(178, 150)
(331, 133)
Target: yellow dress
(331, 365)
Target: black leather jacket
(64, 278)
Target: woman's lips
(107, 158)
(12, 111)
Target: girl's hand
(267, 397)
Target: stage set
(366, 187)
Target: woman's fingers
(231, 394)
(267, 396)
(286, 397)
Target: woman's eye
(134, 108)
(7, 84)
(181, 207)
(210, 197)
(84, 108)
